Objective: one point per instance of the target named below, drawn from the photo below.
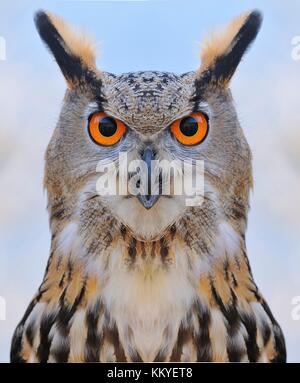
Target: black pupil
(107, 126)
(189, 126)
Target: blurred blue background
(160, 35)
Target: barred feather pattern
(220, 316)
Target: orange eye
(105, 130)
(190, 130)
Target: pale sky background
(159, 35)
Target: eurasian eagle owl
(147, 276)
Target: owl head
(155, 120)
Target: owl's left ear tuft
(73, 51)
(222, 52)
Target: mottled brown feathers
(222, 324)
(170, 283)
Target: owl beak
(148, 200)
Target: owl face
(161, 120)
(148, 103)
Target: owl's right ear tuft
(73, 51)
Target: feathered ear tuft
(222, 52)
(73, 51)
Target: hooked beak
(148, 200)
